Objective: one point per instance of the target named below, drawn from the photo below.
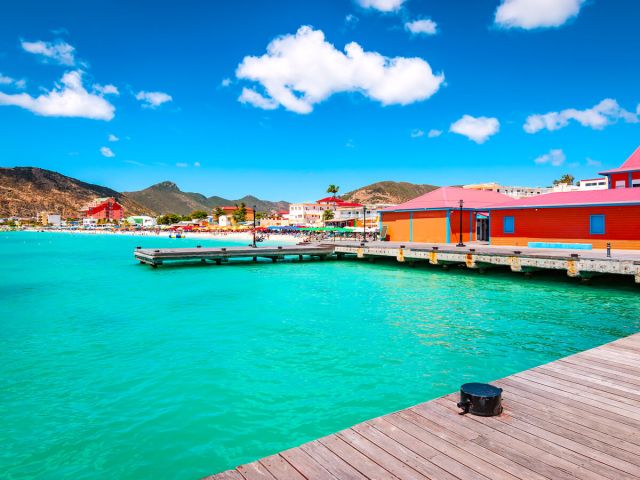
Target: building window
(508, 225)
(596, 225)
(635, 183)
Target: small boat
(177, 235)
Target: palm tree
(333, 190)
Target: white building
(89, 222)
(142, 220)
(54, 219)
(306, 213)
(593, 184)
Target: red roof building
(435, 216)
(103, 209)
(626, 175)
(582, 219)
(337, 202)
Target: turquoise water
(110, 369)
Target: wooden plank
(280, 468)
(306, 465)
(382, 457)
(402, 453)
(330, 461)
(255, 471)
(365, 465)
(228, 475)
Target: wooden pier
(575, 418)
(158, 256)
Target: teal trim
(411, 226)
(630, 184)
(380, 225)
(489, 229)
(448, 227)
(508, 224)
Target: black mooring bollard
(608, 250)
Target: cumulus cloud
(417, 133)
(68, 99)
(601, 115)
(107, 152)
(382, 5)
(106, 89)
(593, 163)
(113, 138)
(59, 51)
(478, 129)
(153, 99)
(351, 20)
(301, 70)
(196, 164)
(182, 165)
(530, 14)
(422, 27)
(225, 82)
(555, 158)
(433, 133)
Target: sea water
(111, 369)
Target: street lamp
(254, 226)
(460, 243)
(364, 223)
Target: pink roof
(631, 163)
(449, 197)
(338, 202)
(617, 196)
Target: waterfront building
(142, 221)
(584, 219)
(593, 184)
(626, 175)
(102, 209)
(435, 216)
(511, 191)
(46, 218)
(226, 219)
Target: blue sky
(511, 92)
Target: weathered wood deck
(158, 256)
(575, 418)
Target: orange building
(584, 219)
(435, 216)
(228, 211)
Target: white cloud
(301, 70)
(106, 89)
(196, 164)
(107, 152)
(113, 138)
(182, 165)
(529, 14)
(67, 99)
(58, 51)
(601, 115)
(225, 82)
(422, 27)
(252, 97)
(433, 133)
(478, 129)
(555, 158)
(6, 80)
(351, 20)
(417, 133)
(153, 99)
(382, 5)
(593, 163)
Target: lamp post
(364, 223)
(460, 243)
(254, 226)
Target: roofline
(615, 170)
(573, 205)
(432, 209)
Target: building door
(482, 229)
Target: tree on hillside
(333, 190)
(199, 214)
(566, 178)
(240, 213)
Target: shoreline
(244, 236)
